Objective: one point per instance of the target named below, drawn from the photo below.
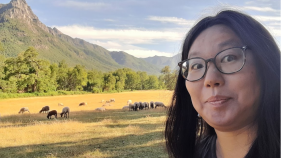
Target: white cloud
(249, 2)
(268, 18)
(261, 9)
(175, 20)
(114, 45)
(130, 36)
(125, 39)
(83, 5)
(110, 20)
(130, 49)
(142, 53)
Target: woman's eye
(196, 66)
(228, 58)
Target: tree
(161, 82)
(95, 81)
(38, 76)
(17, 72)
(53, 76)
(120, 76)
(152, 82)
(142, 79)
(62, 75)
(132, 80)
(77, 78)
(27, 72)
(168, 78)
(109, 82)
(2, 49)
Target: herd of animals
(130, 106)
(143, 105)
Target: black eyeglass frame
(243, 48)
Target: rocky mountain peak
(18, 3)
(19, 9)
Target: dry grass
(88, 134)
(12, 106)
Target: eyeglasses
(228, 61)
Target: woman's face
(225, 101)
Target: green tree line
(26, 74)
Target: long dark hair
(183, 128)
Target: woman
(227, 98)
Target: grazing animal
(53, 112)
(159, 104)
(107, 101)
(141, 106)
(125, 107)
(151, 104)
(112, 100)
(136, 106)
(83, 104)
(100, 109)
(131, 107)
(64, 112)
(45, 109)
(146, 105)
(129, 102)
(60, 104)
(24, 109)
(107, 104)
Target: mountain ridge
(21, 28)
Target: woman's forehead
(215, 38)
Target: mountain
(139, 64)
(162, 61)
(21, 28)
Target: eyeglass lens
(228, 61)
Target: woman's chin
(220, 122)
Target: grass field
(87, 133)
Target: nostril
(217, 84)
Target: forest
(26, 73)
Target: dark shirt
(207, 148)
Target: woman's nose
(213, 78)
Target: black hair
(183, 128)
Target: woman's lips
(218, 100)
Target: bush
(96, 90)
(52, 93)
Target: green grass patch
(36, 94)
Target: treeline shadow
(147, 144)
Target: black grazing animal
(45, 109)
(152, 105)
(131, 107)
(141, 106)
(53, 112)
(137, 105)
(64, 112)
(83, 104)
(159, 104)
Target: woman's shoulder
(206, 148)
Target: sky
(144, 28)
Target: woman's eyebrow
(192, 54)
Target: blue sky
(143, 27)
